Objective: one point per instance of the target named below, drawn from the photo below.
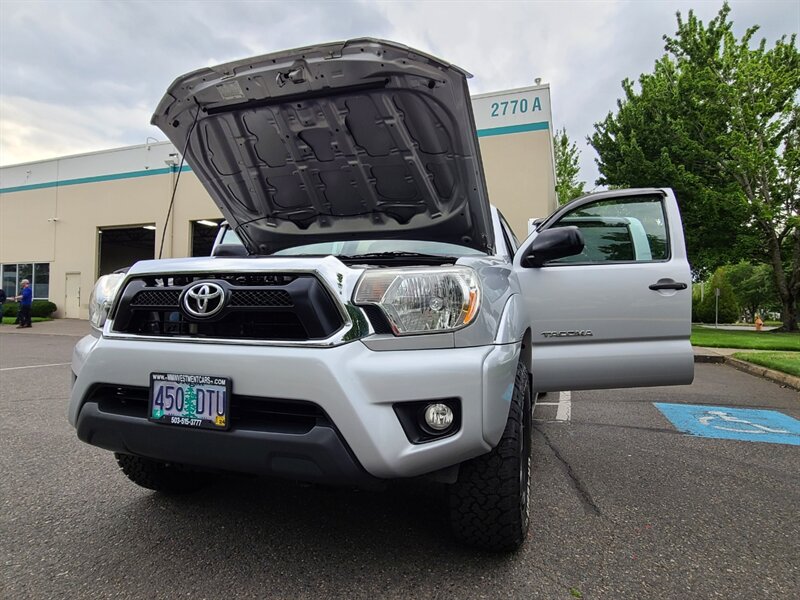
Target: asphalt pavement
(623, 506)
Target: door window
(626, 229)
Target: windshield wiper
(394, 255)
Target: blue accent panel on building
(743, 424)
(540, 126)
(81, 180)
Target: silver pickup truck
(377, 319)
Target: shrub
(43, 308)
(39, 308)
(10, 309)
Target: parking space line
(34, 366)
(564, 411)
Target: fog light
(438, 416)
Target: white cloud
(79, 76)
(33, 130)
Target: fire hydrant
(759, 323)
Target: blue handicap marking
(745, 424)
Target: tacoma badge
(573, 333)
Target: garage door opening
(120, 247)
(204, 232)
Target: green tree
(566, 156)
(753, 286)
(718, 120)
(727, 306)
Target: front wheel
(489, 504)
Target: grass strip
(786, 362)
(13, 320)
(756, 340)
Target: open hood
(359, 139)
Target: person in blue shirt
(25, 301)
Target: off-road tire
(489, 502)
(162, 477)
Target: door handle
(668, 284)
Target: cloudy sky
(78, 76)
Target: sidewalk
(717, 355)
(74, 327)
(738, 327)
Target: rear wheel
(168, 478)
(489, 504)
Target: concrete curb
(753, 369)
(709, 358)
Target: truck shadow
(300, 540)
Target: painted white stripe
(564, 412)
(34, 366)
(547, 404)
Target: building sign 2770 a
(524, 109)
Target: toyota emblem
(204, 299)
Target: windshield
(354, 248)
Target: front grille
(246, 412)
(258, 306)
(254, 298)
(240, 298)
(156, 298)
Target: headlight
(102, 297)
(422, 300)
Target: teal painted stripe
(80, 180)
(540, 126)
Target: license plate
(199, 401)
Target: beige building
(65, 221)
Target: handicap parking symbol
(722, 422)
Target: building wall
(516, 140)
(45, 219)
(51, 211)
(519, 176)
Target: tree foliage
(718, 121)
(754, 287)
(567, 169)
(726, 310)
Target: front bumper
(355, 387)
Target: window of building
(10, 280)
(204, 232)
(41, 280)
(37, 273)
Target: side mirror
(554, 243)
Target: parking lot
(623, 506)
